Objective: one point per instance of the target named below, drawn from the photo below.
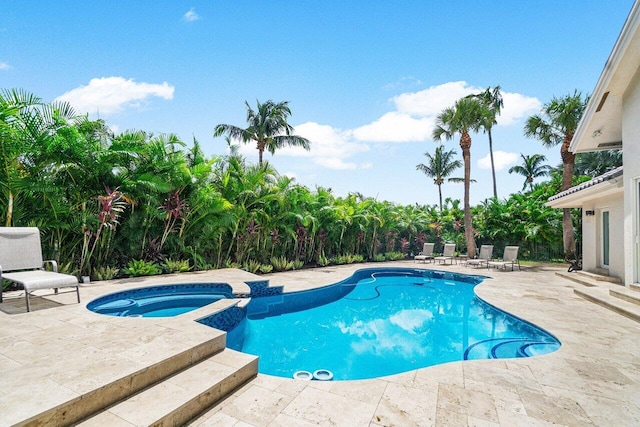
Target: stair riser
(204, 401)
(629, 298)
(600, 277)
(575, 279)
(605, 304)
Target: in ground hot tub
(160, 301)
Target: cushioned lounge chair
(426, 254)
(486, 251)
(510, 258)
(21, 262)
(448, 254)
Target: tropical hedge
(137, 203)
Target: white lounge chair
(448, 254)
(21, 262)
(426, 254)
(486, 251)
(510, 258)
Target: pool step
(183, 396)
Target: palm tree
(467, 115)
(596, 163)
(439, 167)
(492, 98)
(267, 126)
(556, 125)
(531, 168)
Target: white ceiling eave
(605, 126)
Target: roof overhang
(602, 186)
(601, 124)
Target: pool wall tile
(261, 288)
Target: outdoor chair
(448, 254)
(426, 254)
(510, 258)
(21, 262)
(486, 251)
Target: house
(611, 202)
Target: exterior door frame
(605, 238)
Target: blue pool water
(160, 301)
(380, 323)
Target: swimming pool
(379, 322)
(160, 301)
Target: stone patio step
(71, 411)
(600, 277)
(626, 294)
(634, 287)
(602, 297)
(582, 280)
(183, 396)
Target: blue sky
(364, 79)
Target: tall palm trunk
(493, 168)
(465, 144)
(568, 160)
(440, 195)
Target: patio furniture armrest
(53, 263)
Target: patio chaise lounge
(426, 254)
(510, 258)
(448, 254)
(486, 251)
(21, 262)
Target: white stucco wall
(631, 161)
(592, 234)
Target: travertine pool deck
(57, 352)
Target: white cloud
(4, 66)
(330, 147)
(501, 159)
(430, 102)
(516, 107)
(395, 127)
(110, 95)
(413, 118)
(191, 15)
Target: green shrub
(348, 259)
(229, 264)
(141, 267)
(379, 257)
(323, 260)
(393, 256)
(266, 268)
(297, 264)
(179, 266)
(68, 268)
(281, 263)
(105, 272)
(252, 266)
